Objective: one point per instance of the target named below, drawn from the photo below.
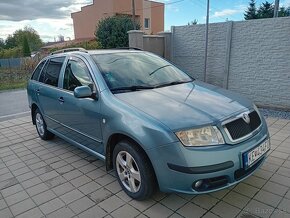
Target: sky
(51, 18)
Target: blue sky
(52, 17)
(183, 12)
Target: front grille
(239, 128)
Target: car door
(80, 117)
(47, 91)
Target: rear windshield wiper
(173, 83)
(131, 88)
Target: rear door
(47, 91)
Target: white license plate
(252, 156)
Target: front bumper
(177, 167)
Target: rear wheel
(41, 126)
(134, 171)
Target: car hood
(186, 105)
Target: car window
(131, 69)
(37, 71)
(51, 71)
(77, 74)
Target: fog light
(198, 183)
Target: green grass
(16, 79)
(8, 85)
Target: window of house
(51, 71)
(77, 74)
(147, 23)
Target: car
(153, 124)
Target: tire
(41, 127)
(137, 179)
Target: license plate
(255, 154)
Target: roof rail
(130, 48)
(68, 50)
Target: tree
(2, 43)
(266, 10)
(32, 36)
(194, 22)
(111, 32)
(25, 48)
(251, 12)
(284, 12)
(10, 42)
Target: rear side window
(37, 71)
(77, 74)
(51, 71)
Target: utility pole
(276, 8)
(133, 14)
(206, 41)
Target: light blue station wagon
(149, 121)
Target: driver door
(81, 118)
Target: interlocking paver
(37, 189)
(205, 201)
(81, 205)
(33, 213)
(111, 204)
(95, 212)
(224, 210)
(44, 197)
(259, 209)
(51, 206)
(268, 198)
(22, 206)
(15, 198)
(191, 210)
(55, 179)
(89, 187)
(125, 211)
(71, 196)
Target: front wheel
(134, 171)
(41, 127)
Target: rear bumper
(177, 167)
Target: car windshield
(132, 71)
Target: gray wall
(255, 54)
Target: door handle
(37, 91)
(60, 99)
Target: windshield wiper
(132, 88)
(173, 83)
(159, 68)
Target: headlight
(205, 136)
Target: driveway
(13, 104)
(55, 179)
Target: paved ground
(55, 179)
(13, 104)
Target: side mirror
(84, 92)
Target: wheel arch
(113, 141)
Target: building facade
(149, 14)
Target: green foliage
(10, 42)
(194, 22)
(25, 48)
(251, 12)
(265, 10)
(2, 43)
(15, 52)
(91, 45)
(112, 31)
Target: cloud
(15, 10)
(225, 12)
